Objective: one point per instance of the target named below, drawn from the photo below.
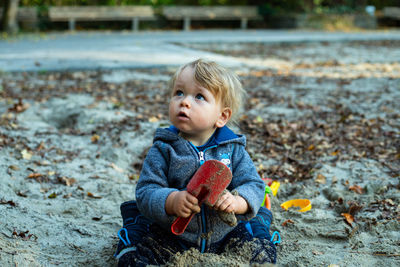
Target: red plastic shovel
(207, 184)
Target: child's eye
(179, 93)
(200, 97)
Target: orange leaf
(286, 222)
(311, 147)
(92, 196)
(95, 138)
(356, 188)
(335, 153)
(349, 218)
(35, 175)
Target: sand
(71, 151)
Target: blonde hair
(221, 82)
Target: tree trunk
(9, 22)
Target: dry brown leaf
(321, 179)
(335, 153)
(13, 167)
(286, 222)
(40, 146)
(356, 188)
(67, 181)
(89, 194)
(35, 175)
(95, 138)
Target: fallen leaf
(52, 195)
(286, 222)
(133, 177)
(9, 202)
(153, 119)
(311, 147)
(115, 167)
(354, 207)
(40, 146)
(92, 196)
(26, 155)
(13, 167)
(321, 179)
(23, 235)
(356, 188)
(35, 175)
(335, 153)
(95, 138)
(19, 107)
(21, 194)
(67, 181)
(390, 202)
(349, 218)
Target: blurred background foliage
(267, 7)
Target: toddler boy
(204, 98)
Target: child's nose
(185, 102)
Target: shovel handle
(180, 224)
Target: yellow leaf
(153, 119)
(335, 153)
(53, 195)
(26, 155)
(321, 179)
(95, 138)
(311, 147)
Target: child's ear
(224, 117)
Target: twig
(376, 254)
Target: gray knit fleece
(170, 164)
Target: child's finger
(193, 200)
(224, 205)
(196, 209)
(185, 212)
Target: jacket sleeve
(246, 181)
(152, 189)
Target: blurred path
(104, 50)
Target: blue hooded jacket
(169, 166)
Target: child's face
(194, 110)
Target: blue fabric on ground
(134, 227)
(261, 223)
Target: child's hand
(230, 203)
(182, 204)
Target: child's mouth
(183, 115)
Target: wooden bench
(188, 13)
(391, 12)
(26, 16)
(99, 13)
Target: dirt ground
(322, 118)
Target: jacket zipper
(203, 215)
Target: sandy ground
(322, 118)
